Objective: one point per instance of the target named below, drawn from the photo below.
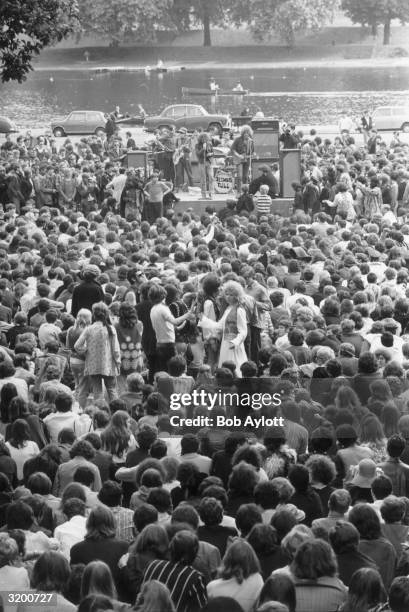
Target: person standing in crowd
(233, 325)
(88, 292)
(99, 343)
(164, 324)
(154, 191)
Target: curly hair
(127, 316)
(82, 448)
(249, 454)
(321, 468)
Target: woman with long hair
(117, 439)
(240, 576)
(19, 409)
(7, 393)
(155, 596)
(211, 309)
(99, 343)
(279, 587)
(21, 446)
(178, 308)
(347, 399)
(97, 580)
(372, 435)
(7, 465)
(77, 360)
(100, 543)
(366, 592)
(233, 325)
(129, 331)
(151, 543)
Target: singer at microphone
(242, 151)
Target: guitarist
(181, 160)
(242, 151)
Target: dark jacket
(85, 295)
(351, 561)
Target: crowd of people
(113, 498)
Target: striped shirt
(185, 584)
(264, 204)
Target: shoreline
(111, 65)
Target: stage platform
(191, 200)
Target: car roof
(177, 105)
(78, 110)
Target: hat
(92, 270)
(182, 130)
(263, 168)
(347, 349)
(366, 474)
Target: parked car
(7, 126)
(189, 116)
(391, 118)
(80, 122)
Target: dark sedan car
(80, 122)
(7, 126)
(189, 116)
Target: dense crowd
(116, 495)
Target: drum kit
(225, 175)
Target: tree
(377, 12)
(288, 17)
(189, 13)
(120, 20)
(27, 27)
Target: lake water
(304, 96)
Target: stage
(191, 200)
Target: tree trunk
(374, 30)
(206, 25)
(387, 32)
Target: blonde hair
(234, 288)
(83, 319)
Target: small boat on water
(197, 91)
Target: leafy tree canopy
(27, 27)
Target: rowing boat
(196, 91)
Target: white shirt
(162, 323)
(56, 421)
(246, 593)
(20, 455)
(70, 533)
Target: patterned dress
(131, 350)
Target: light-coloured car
(391, 118)
(80, 122)
(189, 116)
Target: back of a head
(399, 594)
